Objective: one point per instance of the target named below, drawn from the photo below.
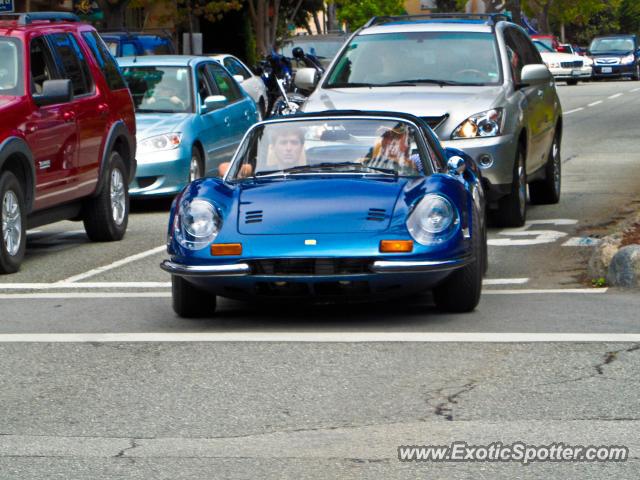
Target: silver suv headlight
(198, 224)
(483, 124)
(434, 220)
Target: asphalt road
(303, 392)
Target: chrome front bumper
(378, 266)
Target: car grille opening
(377, 214)
(144, 182)
(576, 64)
(254, 216)
(311, 266)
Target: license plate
(607, 69)
(575, 73)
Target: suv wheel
(12, 209)
(636, 75)
(547, 191)
(512, 208)
(461, 291)
(572, 82)
(189, 301)
(106, 215)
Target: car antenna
(135, 59)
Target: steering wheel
(470, 71)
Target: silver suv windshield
(418, 58)
(10, 67)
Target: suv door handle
(103, 109)
(540, 93)
(69, 116)
(226, 121)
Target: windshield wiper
(416, 81)
(351, 85)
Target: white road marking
(320, 337)
(553, 221)
(111, 266)
(82, 285)
(634, 89)
(568, 112)
(504, 281)
(582, 242)
(167, 294)
(615, 96)
(593, 104)
(539, 236)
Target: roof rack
(28, 18)
(491, 18)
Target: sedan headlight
(197, 225)
(627, 59)
(553, 65)
(434, 220)
(483, 124)
(159, 143)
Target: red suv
(67, 137)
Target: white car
(565, 66)
(252, 83)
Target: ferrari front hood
(297, 205)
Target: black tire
(460, 292)
(636, 75)
(572, 82)
(189, 301)
(547, 191)
(13, 231)
(196, 167)
(105, 221)
(262, 109)
(512, 208)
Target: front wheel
(189, 301)
(196, 167)
(512, 208)
(12, 210)
(106, 216)
(460, 292)
(547, 191)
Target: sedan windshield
(414, 58)
(159, 89)
(542, 47)
(10, 67)
(328, 147)
(612, 45)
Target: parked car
(253, 84)
(323, 47)
(67, 148)
(564, 66)
(191, 116)
(550, 41)
(478, 81)
(131, 44)
(337, 205)
(615, 56)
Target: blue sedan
(332, 206)
(191, 116)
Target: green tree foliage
(356, 12)
(630, 16)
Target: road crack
(611, 356)
(122, 453)
(445, 409)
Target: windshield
(542, 47)
(326, 147)
(10, 67)
(611, 45)
(324, 49)
(443, 58)
(159, 89)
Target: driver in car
(164, 91)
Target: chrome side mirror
(306, 78)
(456, 165)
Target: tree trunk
(316, 21)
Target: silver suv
(478, 81)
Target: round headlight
(432, 220)
(200, 224)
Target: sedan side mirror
(53, 92)
(238, 78)
(214, 102)
(306, 78)
(534, 75)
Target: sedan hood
(150, 124)
(431, 101)
(317, 205)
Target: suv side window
(531, 54)
(224, 82)
(42, 64)
(515, 53)
(128, 49)
(73, 63)
(104, 60)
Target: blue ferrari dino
(332, 206)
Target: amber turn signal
(218, 249)
(396, 246)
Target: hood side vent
(435, 122)
(254, 216)
(377, 214)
